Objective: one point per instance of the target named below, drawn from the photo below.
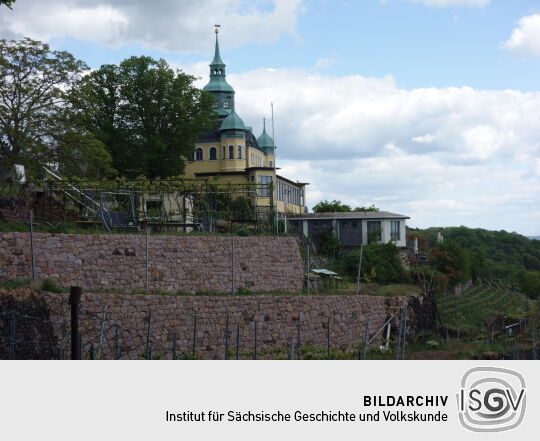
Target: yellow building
(231, 153)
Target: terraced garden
(468, 312)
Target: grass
(468, 312)
(10, 284)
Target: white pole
(359, 269)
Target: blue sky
(429, 108)
(421, 46)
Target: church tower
(231, 153)
(218, 87)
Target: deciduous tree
(147, 114)
(38, 124)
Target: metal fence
(26, 336)
(177, 205)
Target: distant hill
(511, 249)
(534, 237)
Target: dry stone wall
(175, 263)
(126, 319)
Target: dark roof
(291, 182)
(212, 135)
(351, 215)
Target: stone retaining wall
(175, 263)
(171, 318)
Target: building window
(239, 152)
(213, 154)
(263, 189)
(225, 104)
(231, 152)
(374, 231)
(271, 164)
(354, 224)
(394, 230)
(199, 154)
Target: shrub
(380, 264)
(50, 286)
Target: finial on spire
(264, 124)
(216, 30)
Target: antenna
(273, 130)
(273, 135)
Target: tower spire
(217, 61)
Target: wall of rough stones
(124, 319)
(175, 263)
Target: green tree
(147, 114)
(331, 207)
(8, 3)
(38, 124)
(337, 206)
(380, 263)
(529, 283)
(370, 208)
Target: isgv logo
(491, 399)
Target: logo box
(491, 399)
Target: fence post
(146, 273)
(238, 341)
(148, 334)
(398, 343)
(33, 257)
(359, 270)
(255, 342)
(227, 338)
(232, 265)
(13, 335)
(291, 349)
(404, 335)
(80, 346)
(74, 301)
(102, 331)
(298, 339)
(366, 330)
(116, 343)
(307, 268)
(328, 338)
(194, 335)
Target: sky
(428, 108)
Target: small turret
(265, 141)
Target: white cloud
(174, 25)
(324, 63)
(424, 139)
(440, 155)
(446, 3)
(525, 39)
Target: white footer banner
(269, 400)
